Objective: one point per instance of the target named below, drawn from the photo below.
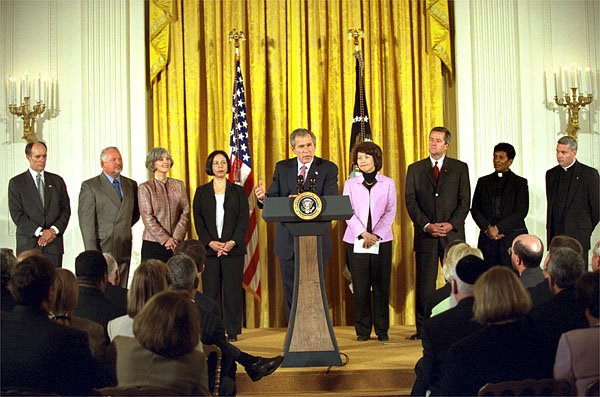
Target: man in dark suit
(573, 195)
(526, 255)
(108, 207)
(184, 268)
(441, 331)
(438, 196)
(92, 278)
(500, 205)
(39, 355)
(562, 312)
(323, 174)
(39, 205)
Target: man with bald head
(526, 255)
(39, 205)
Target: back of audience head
(27, 253)
(7, 262)
(195, 250)
(91, 268)
(565, 267)
(529, 249)
(31, 282)
(596, 256)
(562, 241)
(500, 297)
(467, 272)
(587, 290)
(149, 279)
(112, 269)
(455, 254)
(65, 284)
(183, 273)
(168, 325)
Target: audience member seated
(114, 292)
(526, 255)
(184, 275)
(37, 354)
(596, 257)
(541, 293)
(441, 331)
(8, 262)
(455, 254)
(149, 279)
(506, 348)
(163, 354)
(578, 354)
(562, 313)
(92, 277)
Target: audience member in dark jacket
(38, 354)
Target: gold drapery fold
(298, 68)
(160, 14)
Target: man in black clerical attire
(500, 205)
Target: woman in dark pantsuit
(221, 216)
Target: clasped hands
(47, 236)
(171, 243)
(493, 233)
(222, 248)
(439, 229)
(369, 239)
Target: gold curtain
(298, 69)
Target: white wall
(95, 49)
(504, 51)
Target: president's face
(304, 148)
(37, 158)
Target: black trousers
(154, 250)
(427, 263)
(371, 283)
(222, 282)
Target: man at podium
(308, 173)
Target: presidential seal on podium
(307, 206)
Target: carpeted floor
(372, 368)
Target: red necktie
(436, 172)
(303, 172)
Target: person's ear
(454, 287)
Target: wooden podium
(310, 340)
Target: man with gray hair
(108, 207)
(573, 195)
(596, 257)
(526, 255)
(562, 313)
(114, 292)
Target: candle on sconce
(52, 90)
(45, 93)
(565, 81)
(555, 83)
(581, 83)
(588, 78)
(573, 76)
(26, 89)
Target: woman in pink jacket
(368, 241)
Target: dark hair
(529, 257)
(168, 324)
(506, 148)
(149, 279)
(31, 279)
(446, 131)
(370, 148)
(587, 292)
(29, 146)
(211, 157)
(194, 249)
(8, 262)
(562, 241)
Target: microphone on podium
(300, 184)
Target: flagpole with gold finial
(237, 36)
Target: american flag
(241, 173)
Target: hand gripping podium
(310, 340)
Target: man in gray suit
(438, 196)
(39, 205)
(108, 207)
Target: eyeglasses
(510, 251)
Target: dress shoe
(416, 336)
(362, 338)
(383, 338)
(263, 367)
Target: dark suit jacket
(515, 205)
(28, 214)
(540, 293)
(438, 334)
(582, 209)
(447, 201)
(93, 305)
(235, 220)
(117, 295)
(105, 220)
(496, 353)
(284, 184)
(38, 354)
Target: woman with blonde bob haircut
(163, 353)
(149, 279)
(505, 349)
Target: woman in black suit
(221, 218)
